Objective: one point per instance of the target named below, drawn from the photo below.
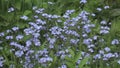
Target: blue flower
(11, 9)
(1, 61)
(9, 37)
(107, 49)
(56, 30)
(115, 42)
(15, 28)
(24, 17)
(74, 41)
(2, 34)
(19, 37)
(103, 22)
(19, 53)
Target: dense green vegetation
(60, 34)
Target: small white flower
(103, 22)
(106, 7)
(34, 7)
(99, 9)
(118, 61)
(50, 3)
(95, 37)
(93, 14)
(83, 1)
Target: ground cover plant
(59, 34)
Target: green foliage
(115, 12)
(83, 62)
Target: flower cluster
(44, 39)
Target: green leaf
(70, 65)
(83, 62)
(52, 65)
(115, 12)
(72, 52)
(43, 45)
(76, 58)
(22, 25)
(45, 5)
(69, 59)
(26, 37)
(27, 1)
(18, 5)
(27, 12)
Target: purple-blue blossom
(101, 51)
(28, 43)
(15, 44)
(108, 55)
(9, 31)
(115, 42)
(104, 31)
(45, 60)
(39, 21)
(19, 53)
(2, 34)
(91, 50)
(74, 41)
(64, 66)
(72, 32)
(11, 9)
(24, 17)
(56, 30)
(39, 11)
(97, 56)
(36, 42)
(36, 35)
(19, 37)
(95, 37)
(107, 49)
(1, 61)
(84, 35)
(52, 40)
(29, 31)
(15, 28)
(87, 41)
(9, 37)
(103, 22)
